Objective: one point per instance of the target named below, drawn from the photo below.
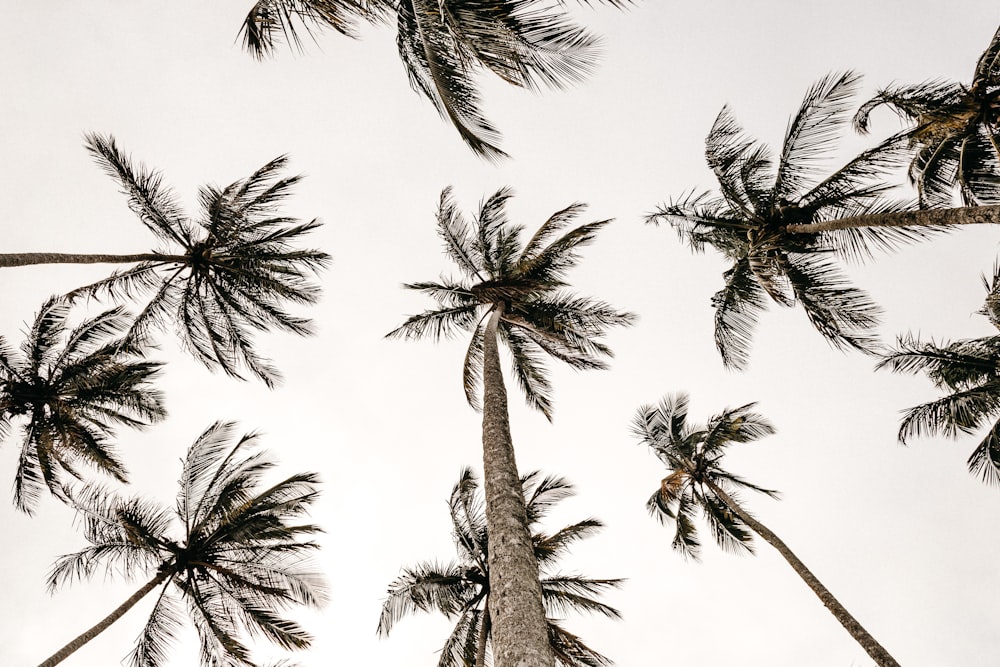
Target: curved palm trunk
(29, 258)
(71, 647)
(867, 642)
(967, 215)
(519, 632)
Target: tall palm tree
(969, 370)
(757, 222)
(229, 550)
(220, 277)
(444, 44)
(512, 292)
(697, 481)
(955, 132)
(460, 589)
(69, 389)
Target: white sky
(906, 538)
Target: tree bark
(937, 217)
(861, 636)
(520, 638)
(71, 647)
(29, 258)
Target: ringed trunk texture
(936, 217)
(875, 650)
(29, 258)
(71, 647)
(520, 638)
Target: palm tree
(71, 396)
(514, 293)
(443, 45)
(221, 277)
(969, 370)
(229, 551)
(460, 589)
(763, 221)
(955, 133)
(697, 481)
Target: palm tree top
(444, 45)
(459, 589)
(954, 132)
(221, 276)
(969, 371)
(760, 201)
(693, 458)
(230, 548)
(522, 284)
(70, 388)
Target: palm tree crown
(696, 481)
(443, 45)
(71, 396)
(969, 370)
(751, 220)
(224, 275)
(693, 457)
(460, 589)
(955, 133)
(229, 550)
(523, 285)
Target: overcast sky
(905, 537)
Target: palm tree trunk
(71, 647)
(29, 258)
(519, 632)
(967, 215)
(867, 642)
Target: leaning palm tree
(229, 551)
(69, 389)
(955, 133)
(444, 44)
(220, 277)
(512, 292)
(696, 481)
(461, 589)
(969, 370)
(764, 221)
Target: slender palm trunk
(967, 215)
(69, 648)
(28, 258)
(519, 632)
(861, 636)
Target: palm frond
(148, 198)
(273, 22)
(813, 131)
(737, 306)
(437, 68)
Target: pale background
(904, 536)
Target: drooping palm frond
(969, 372)
(222, 276)
(444, 45)
(460, 590)
(70, 399)
(273, 22)
(239, 561)
(752, 222)
(525, 282)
